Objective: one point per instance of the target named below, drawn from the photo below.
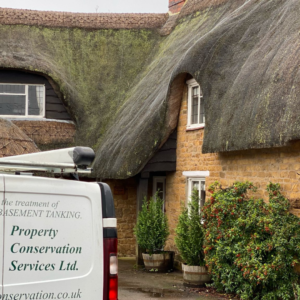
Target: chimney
(175, 6)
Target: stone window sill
(195, 128)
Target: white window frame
(26, 102)
(191, 84)
(194, 176)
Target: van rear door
(52, 241)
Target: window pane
(195, 185)
(35, 100)
(195, 105)
(12, 88)
(202, 185)
(160, 190)
(196, 91)
(195, 110)
(202, 116)
(12, 105)
(202, 194)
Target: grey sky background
(91, 6)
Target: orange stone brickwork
(279, 165)
(124, 193)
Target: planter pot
(195, 275)
(161, 262)
(297, 269)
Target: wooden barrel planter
(195, 275)
(161, 262)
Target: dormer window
(196, 117)
(22, 100)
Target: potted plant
(151, 232)
(189, 241)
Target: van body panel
(52, 239)
(2, 197)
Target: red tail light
(110, 269)
(113, 288)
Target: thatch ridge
(10, 16)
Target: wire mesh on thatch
(13, 141)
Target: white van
(58, 237)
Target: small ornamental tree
(189, 233)
(251, 246)
(152, 229)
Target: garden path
(137, 284)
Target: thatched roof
(13, 141)
(94, 70)
(245, 55)
(124, 87)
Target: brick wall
(279, 165)
(47, 132)
(175, 6)
(10, 16)
(124, 192)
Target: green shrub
(251, 246)
(152, 228)
(296, 287)
(189, 233)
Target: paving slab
(137, 284)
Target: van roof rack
(68, 160)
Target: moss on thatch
(94, 69)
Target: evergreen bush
(152, 229)
(189, 233)
(251, 246)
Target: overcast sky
(119, 6)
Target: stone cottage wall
(279, 165)
(124, 193)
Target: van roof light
(83, 156)
(68, 160)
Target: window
(196, 180)
(22, 100)
(199, 185)
(159, 186)
(196, 117)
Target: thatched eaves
(249, 68)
